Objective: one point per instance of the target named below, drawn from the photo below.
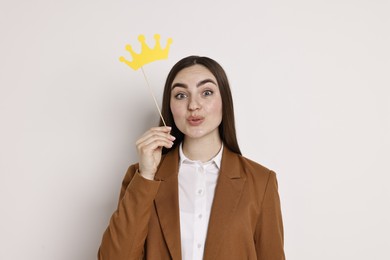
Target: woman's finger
(160, 131)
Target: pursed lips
(195, 120)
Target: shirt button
(200, 216)
(200, 191)
(199, 245)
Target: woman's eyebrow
(200, 83)
(181, 85)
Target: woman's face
(196, 103)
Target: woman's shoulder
(253, 164)
(256, 176)
(255, 168)
(248, 167)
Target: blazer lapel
(167, 202)
(227, 195)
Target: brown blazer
(245, 220)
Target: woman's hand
(149, 147)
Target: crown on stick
(147, 54)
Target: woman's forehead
(193, 73)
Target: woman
(193, 195)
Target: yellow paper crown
(147, 54)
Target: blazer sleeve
(269, 231)
(125, 235)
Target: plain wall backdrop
(310, 81)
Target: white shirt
(197, 182)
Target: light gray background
(310, 81)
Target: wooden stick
(154, 98)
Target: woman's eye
(207, 93)
(180, 96)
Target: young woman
(193, 195)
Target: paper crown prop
(147, 55)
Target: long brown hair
(227, 129)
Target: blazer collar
(167, 202)
(227, 195)
(228, 192)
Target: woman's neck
(201, 149)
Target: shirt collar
(216, 159)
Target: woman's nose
(194, 104)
